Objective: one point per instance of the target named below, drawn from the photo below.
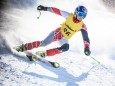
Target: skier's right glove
(41, 8)
(87, 51)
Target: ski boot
(20, 48)
(41, 54)
(32, 57)
(35, 56)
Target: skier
(73, 23)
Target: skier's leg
(48, 39)
(57, 37)
(64, 47)
(53, 36)
(36, 44)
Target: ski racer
(73, 23)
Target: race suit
(61, 34)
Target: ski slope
(20, 25)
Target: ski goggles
(80, 14)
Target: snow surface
(20, 25)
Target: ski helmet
(80, 11)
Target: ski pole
(95, 59)
(39, 14)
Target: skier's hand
(87, 51)
(40, 7)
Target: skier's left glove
(87, 51)
(41, 8)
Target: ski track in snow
(75, 70)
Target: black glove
(40, 7)
(87, 51)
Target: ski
(38, 58)
(49, 63)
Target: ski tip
(56, 65)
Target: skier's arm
(58, 11)
(86, 40)
(85, 36)
(54, 10)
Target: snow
(20, 25)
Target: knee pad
(64, 47)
